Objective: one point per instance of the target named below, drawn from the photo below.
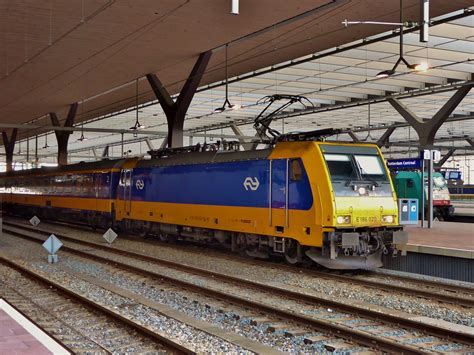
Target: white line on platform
(34, 330)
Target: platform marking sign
(35, 221)
(110, 236)
(52, 245)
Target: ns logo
(251, 183)
(139, 184)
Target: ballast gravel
(200, 341)
(195, 339)
(272, 275)
(187, 304)
(226, 321)
(222, 263)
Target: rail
(361, 337)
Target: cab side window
(296, 170)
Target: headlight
(343, 219)
(388, 219)
(362, 190)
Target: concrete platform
(446, 251)
(445, 238)
(463, 208)
(19, 335)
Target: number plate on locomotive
(364, 219)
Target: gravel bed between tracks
(207, 310)
(188, 304)
(79, 328)
(196, 339)
(74, 340)
(403, 336)
(222, 263)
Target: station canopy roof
(336, 72)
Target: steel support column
(175, 111)
(62, 137)
(149, 144)
(244, 143)
(384, 139)
(445, 158)
(426, 130)
(355, 139)
(9, 144)
(105, 153)
(94, 151)
(164, 143)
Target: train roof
(178, 159)
(82, 166)
(175, 157)
(209, 157)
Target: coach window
(85, 185)
(296, 172)
(79, 184)
(58, 183)
(52, 186)
(45, 185)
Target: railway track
(432, 290)
(57, 310)
(370, 318)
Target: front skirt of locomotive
(358, 249)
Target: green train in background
(408, 185)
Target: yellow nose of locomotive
(362, 212)
(369, 211)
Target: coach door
(127, 191)
(278, 195)
(97, 191)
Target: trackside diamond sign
(110, 236)
(35, 221)
(52, 245)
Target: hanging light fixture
(46, 141)
(137, 124)
(234, 7)
(227, 104)
(82, 138)
(401, 59)
(369, 125)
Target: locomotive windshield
(351, 167)
(355, 167)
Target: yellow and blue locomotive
(331, 203)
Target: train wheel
(144, 229)
(292, 252)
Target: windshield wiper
(351, 183)
(362, 182)
(373, 182)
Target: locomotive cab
(361, 220)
